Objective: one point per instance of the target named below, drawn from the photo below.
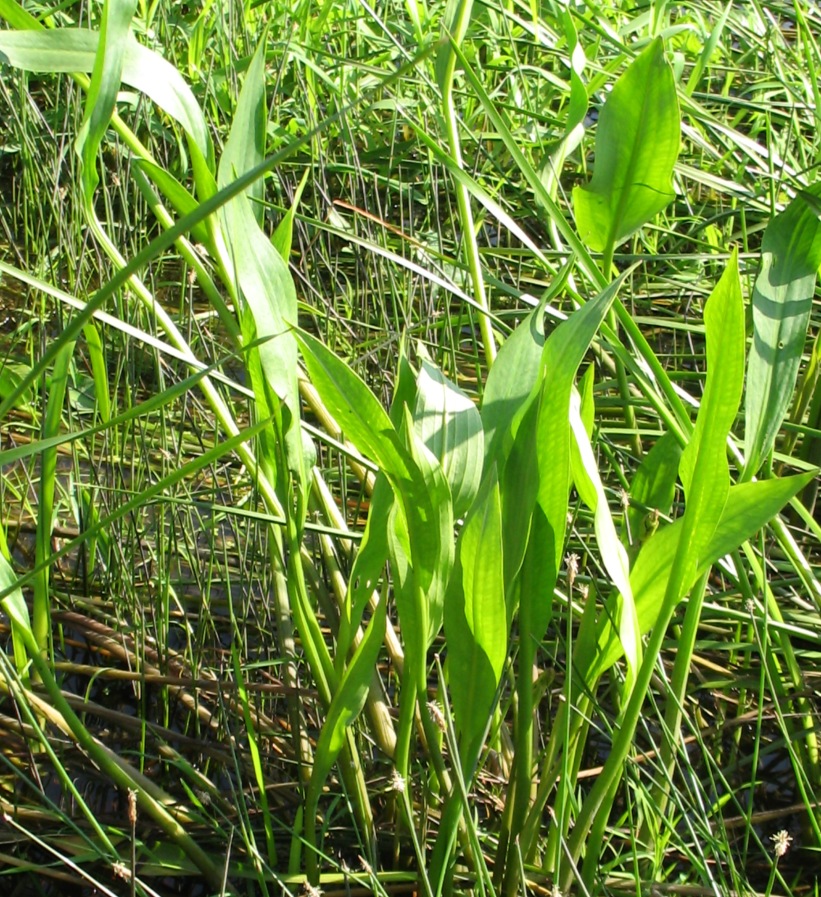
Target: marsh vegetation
(409, 438)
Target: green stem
(41, 608)
(685, 647)
(458, 28)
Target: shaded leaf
(782, 302)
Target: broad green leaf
(563, 353)
(245, 146)
(637, 144)
(413, 616)
(782, 302)
(367, 566)
(367, 426)
(511, 380)
(363, 420)
(476, 621)
(704, 471)
(261, 273)
(537, 468)
(436, 567)
(748, 508)
(520, 486)
(448, 423)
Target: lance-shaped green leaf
(638, 138)
(782, 301)
(704, 471)
(705, 474)
(511, 381)
(563, 353)
(448, 423)
(261, 273)
(749, 507)
(438, 491)
(476, 621)
(367, 567)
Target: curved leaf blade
(74, 50)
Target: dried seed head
(781, 843)
(132, 807)
(397, 783)
(437, 715)
(122, 871)
(310, 891)
(572, 564)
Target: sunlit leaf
(511, 379)
(638, 138)
(749, 507)
(476, 621)
(704, 470)
(449, 425)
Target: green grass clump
(410, 446)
